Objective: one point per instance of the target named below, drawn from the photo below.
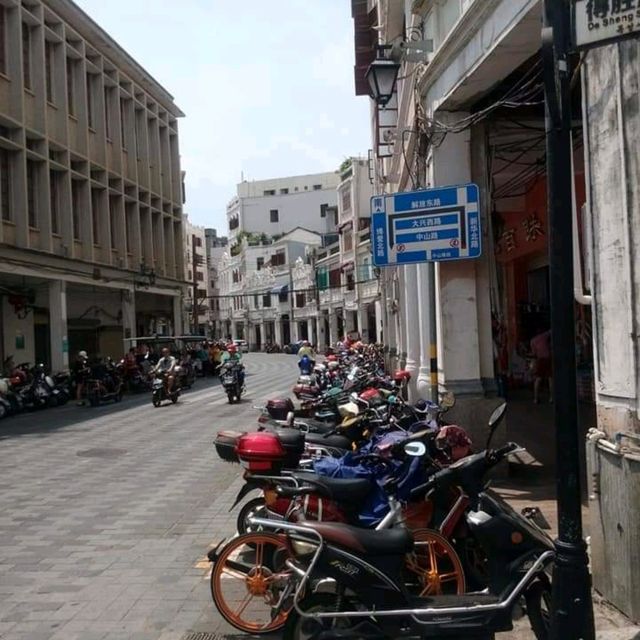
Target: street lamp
(382, 75)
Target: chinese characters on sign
(596, 21)
(532, 227)
(431, 225)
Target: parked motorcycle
(104, 384)
(160, 391)
(369, 598)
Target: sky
(267, 87)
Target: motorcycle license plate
(227, 380)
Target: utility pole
(293, 303)
(572, 608)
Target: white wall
(294, 210)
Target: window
(49, 58)
(76, 203)
(322, 279)
(107, 114)
(259, 263)
(334, 278)
(95, 215)
(199, 276)
(300, 300)
(26, 55)
(91, 116)
(71, 87)
(317, 187)
(113, 221)
(323, 210)
(284, 192)
(234, 223)
(266, 300)
(256, 301)
(5, 181)
(278, 259)
(274, 216)
(123, 124)
(351, 284)
(269, 192)
(32, 205)
(198, 241)
(346, 199)
(283, 296)
(3, 39)
(54, 200)
(347, 241)
(190, 275)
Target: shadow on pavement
(40, 423)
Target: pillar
(379, 337)
(278, 331)
(322, 335)
(310, 331)
(59, 341)
(412, 336)
(363, 322)
(178, 318)
(333, 329)
(128, 314)
(294, 331)
(425, 300)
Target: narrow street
(106, 514)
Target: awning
(280, 289)
(347, 266)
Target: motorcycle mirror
(354, 397)
(448, 400)
(494, 421)
(415, 449)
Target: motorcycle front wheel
(231, 396)
(538, 599)
(155, 398)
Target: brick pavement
(106, 516)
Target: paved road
(106, 514)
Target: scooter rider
(306, 350)
(232, 356)
(167, 365)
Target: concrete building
(90, 189)
(256, 277)
(216, 246)
(275, 207)
(197, 276)
(478, 98)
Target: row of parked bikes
(370, 517)
(29, 388)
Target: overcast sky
(266, 86)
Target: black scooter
(370, 599)
(230, 377)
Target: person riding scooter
(306, 359)
(166, 366)
(230, 357)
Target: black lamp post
(382, 75)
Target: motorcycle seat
(366, 541)
(313, 426)
(351, 490)
(334, 442)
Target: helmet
(422, 407)
(306, 343)
(455, 441)
(332, 358)
(82, 354)
(232, 348)
(333, 365)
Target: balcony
(349, 298)
(368, 290)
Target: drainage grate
(101, 453)
(203, 635)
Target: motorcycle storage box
(278, 408)
(401, 375)
(226, 442)
(261, 452)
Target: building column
(294, 331)
(378, 311)
(424, 319)
(363, 322)
(412, 337)
(310, 330)
(128, 314)
(59, 341)
(333, 329)
(277, 323)
(263, 333)
(178, 315)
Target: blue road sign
(432, 225)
